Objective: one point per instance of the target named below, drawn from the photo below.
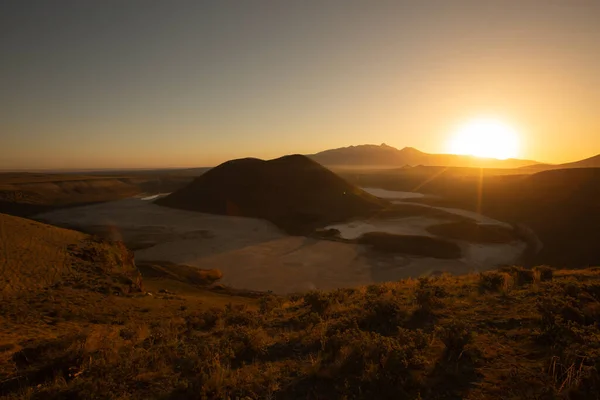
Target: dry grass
(430, 338)
(33, 254)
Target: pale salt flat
(254, 254)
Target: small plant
(269, 303)
(377, 290)
(206, 320)
(428, 295)
(248, 343)
(240, 315)
(494, 282)
(521, 276)
(318, 301)
(384, 315)
(456, 336)
(566, 376)
(542, 273)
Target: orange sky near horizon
(137, 85)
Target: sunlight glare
(484, 137)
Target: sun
(485, 137)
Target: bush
(374, 365)
(268, 303)
(428, 295)
(206, 320)
(318, 301)
(384, 315)
(521, 276)
(455, 336)
(247, 343)
(494, 282)
(542, 273)
(240, 315)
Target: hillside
(592, 162)
(25, 194)
(61, 289)
(293, 192)
(36, 256)
(388, 156)
(77, 324)
(501, 335)
(561, 206)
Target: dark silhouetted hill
(561, 206)
(592, 162)
(294, 192)
(369, 155)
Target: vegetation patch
(473, 232)
(184, 273)
(365, 342)
(494, 281)
(408, 244)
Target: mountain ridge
(385, 155)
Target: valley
(254, 254)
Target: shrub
(494, 281)
(542, 273)
(428, 295)
(374, 365)
(377, 290)
(318, 301)
(455, 336)
(384, 315)
(239, 315)
(558, 320)
(248, 343)
(269, 303)
(206, 320)
(520, 275)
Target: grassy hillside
(35, 256)
(59, 286)
(25, 194)
(503, 335)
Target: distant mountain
(294, 192)
(369, 155)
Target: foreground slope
(503, 335)
(294, 192)
(59, 287)
(35, 256)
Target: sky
(174, 83)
